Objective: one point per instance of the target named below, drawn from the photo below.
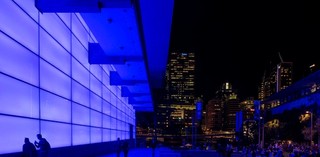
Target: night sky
(236, 41)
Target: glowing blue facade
(47, 85)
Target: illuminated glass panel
(95, 85)
(96, 135)
(106, 135)
(106, 121)
(52, 52)
(79, 31)
(57, 29)
(113, 111)
(15, 95)
(58, 134)
(96, 118)
(54, 107)
(106, 69)
(106, 94)
(28, 6)
(79, 52)
(17, 61)
(10, 11)
(12, 138)
(80, 94)
(96, 71)
(96, 102)
(113, 123)
(80, 73)
(80, 114)
(80, 135)
(106, 107)
(54, 80)
(66, 18)
(113, 135)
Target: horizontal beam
(126, 93)
(98, 56)
(80, 6)
(116, 80)
(68, 6)
(133, 101)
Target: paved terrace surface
(167, 152)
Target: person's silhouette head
(39, 136)
(26, 140)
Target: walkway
(147, 152)
(167, 152)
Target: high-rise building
(222, 110)
(178, 107)
(180, 76)
(280, 77)
(213, 117)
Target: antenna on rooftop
(280, 57)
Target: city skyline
(237, 41)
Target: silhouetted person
(28, 149)
(43, 146)
(125, 148)
(119, 147)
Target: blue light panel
(51, 23)
(14, 132)
(54, 53)
(18, 98)
(58, 134)
(54, 107)
(81, 135)
(15, 58)
(96, 135)
(95, 102)
(25, 35)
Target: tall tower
(229, 106)
(178, 108)
(279, 78)
(180, 78)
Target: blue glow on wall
(57, 133)
(18, 98)
(96, 135)
(54, 80)
(96, 102)
(95, 118)
(52, 52)
(80, 135)
(95, 85)
(80, 73)
(80, 94)
(79, 29)
(26, 35)
(51, 23)
(54, 107)
(15, 58)
(79, 52)
(47, 85)
(12, 135)
(80, 114)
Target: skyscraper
(180, 75)
(280, 77)
(221, 111)
(178, 106)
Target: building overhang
(132, 35)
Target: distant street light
(311, 121)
